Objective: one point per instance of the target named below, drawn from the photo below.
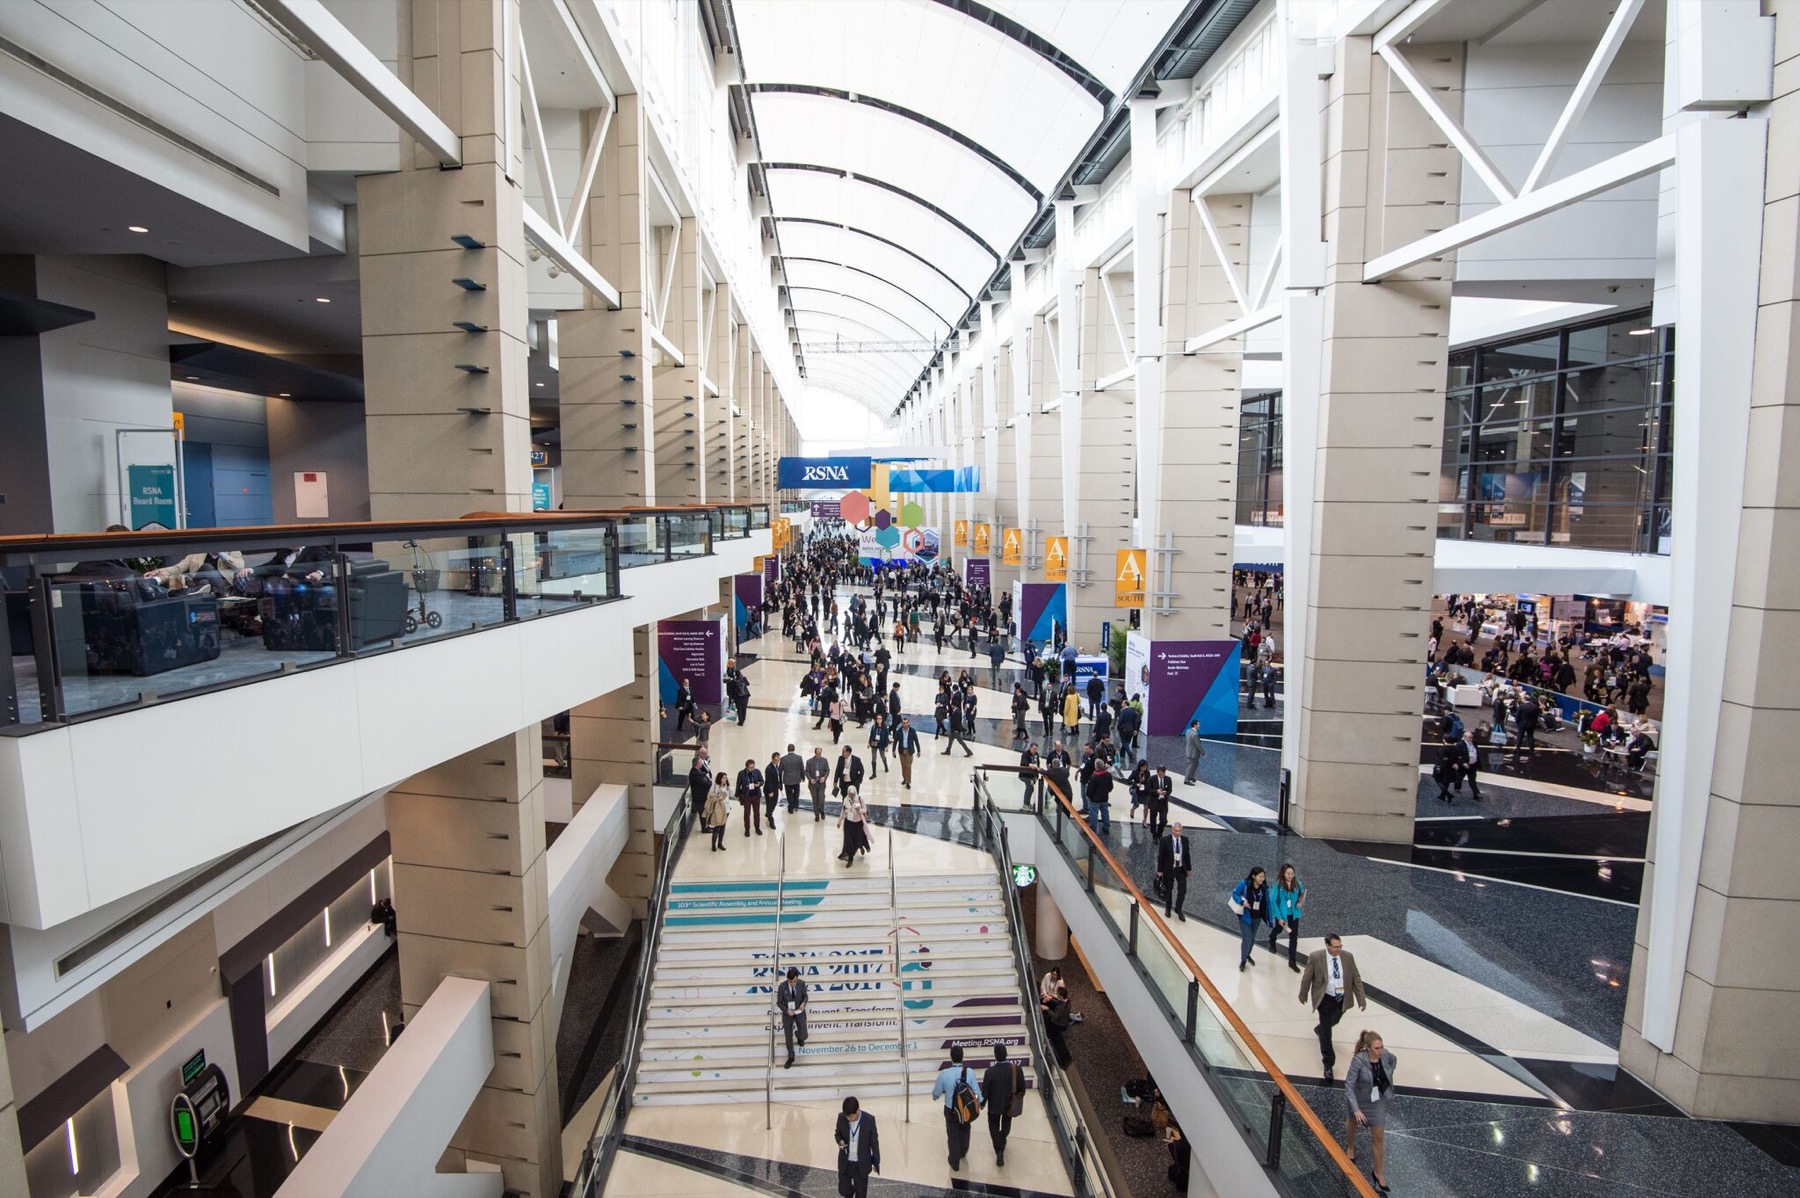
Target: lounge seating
(302, 615)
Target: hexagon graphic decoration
(883, 518)
(887, 537)
(912, 514)
(854, 507)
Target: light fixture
(1640, 332)
(321, 299)
(540, 384)
(137, 228)
(287, 395)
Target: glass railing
(759, 514)
(735, 523)
(106, 622)
(1279, 1126)
(1075, 1141)
(615, 1107)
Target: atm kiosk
(198, 1110)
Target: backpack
(963, 1100)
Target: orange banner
(984, 538)
(1056, 559)
(1128, 578)
(961, 538)
(1012, 545)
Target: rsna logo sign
(825, 474)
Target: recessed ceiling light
(137, 228)
(193, 378)
(286, 394)
(1641, 332)
(540, 384)
(320, 299)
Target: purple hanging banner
(694, 650)
(975, 573)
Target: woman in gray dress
(1369, 1090)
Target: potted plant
(1590, 742)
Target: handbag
(1017, 1107)
(1237, 908)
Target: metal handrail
(1075, 1142)
(899, 989)
(775, 988)
(1286, 1096)
(609, 1124)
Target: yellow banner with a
(1128, 578)
(984, 538)
(1056, 559)
(961, 534)
(1012, 543)
(781, 530)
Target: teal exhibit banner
(694, 650)
(152, 496)
(540, 497)
(1181, 681)
(747, 596)
(802, 473)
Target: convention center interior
(1274, 524)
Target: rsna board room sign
(853, 473)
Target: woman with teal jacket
(1287, 902)
(1250, 903)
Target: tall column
(1104, 432)
(468, 844)
(442, 439)
(608, 446)
(1001, 480)
(612, 739)
(678, 406)
(1379, 427)
(1042, 438)
(742, 388)
(12, 1151)
(1712, 991)
(1050, 938)
(715, 453)
(1194, 506)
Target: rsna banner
(802, 473)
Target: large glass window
(1560, 438)
(1259, 460)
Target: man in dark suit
(859, 1150)
(849, 772)
(684, 704)
(1174, 859)
(1003, 1084)
(700, 781)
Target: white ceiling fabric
(930, 131)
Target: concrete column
(1050, 938)
(1713, 995)
(741, 390)
(12, 1151)
(1389, 179)
(1105, 443)
(612, 739)
(1002, 470)
(608, 450)
(468, 841)
(715, 450)
(1041, 437)
(1194, 506)
(443, 440)
(679, 478)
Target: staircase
(712, 987)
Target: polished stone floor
(1494, 948)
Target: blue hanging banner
(803, 473)
(913, 482)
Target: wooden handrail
(1301, 1107)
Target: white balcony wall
(81, 825)
(344, 130)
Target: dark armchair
(301, 615)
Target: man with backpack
(961, 1095)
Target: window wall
(1561, 438)
(1259, 460)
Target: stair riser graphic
(931, 1052)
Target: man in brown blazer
(1330, 981)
